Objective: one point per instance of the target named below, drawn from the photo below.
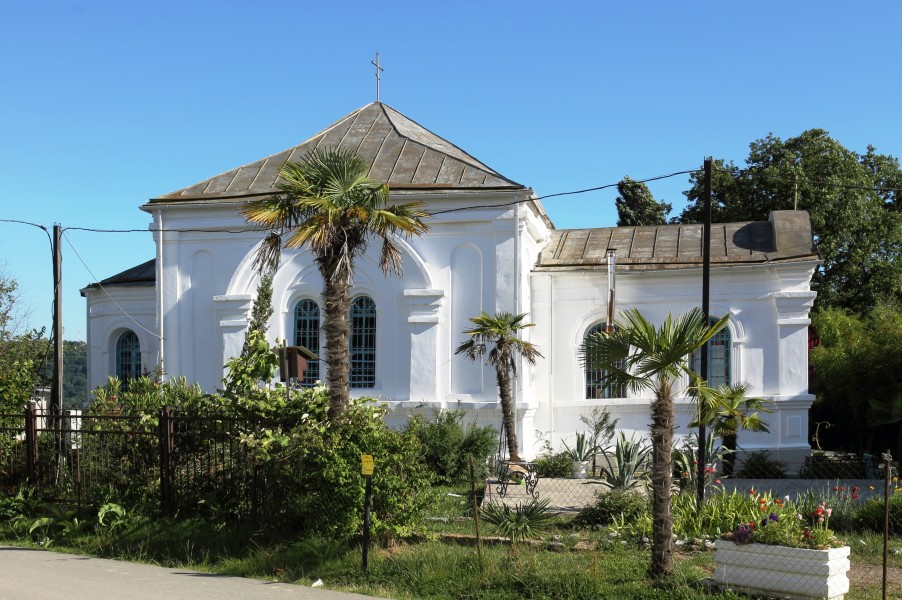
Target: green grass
(436, 569)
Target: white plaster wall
(107, 321)
(473, 260)
(767, 352)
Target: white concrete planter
(580, 469)
(797, 573)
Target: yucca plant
(520, 522)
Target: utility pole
(56, 389)
(706, 310)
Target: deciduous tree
(858, 229)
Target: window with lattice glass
(363, 343)
(596, 388)
(306, 334)
(128, 357)
(718, 358)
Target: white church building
(490, 247)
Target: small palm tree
(648, 358)
(327, 203)
(733, 411)
(501, 331)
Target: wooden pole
(475, 513)
(56, 389)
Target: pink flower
(829, 512)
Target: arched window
(363, 343)
(595, 389)
(306, 333)
(718, 358)
(128, 357)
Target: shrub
(448, 445)
(315, 470)
(869, 517)
(759, 465)
(610, 506)
(553, 465)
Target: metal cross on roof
(375, 63)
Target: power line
(437, 212)
(555, 195)
(119, 306)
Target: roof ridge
(473, 161)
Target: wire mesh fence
(778, 531)
(201, 465)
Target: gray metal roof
(785, 236)
(399, 151)
(144, 274)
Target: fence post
(165, 461)
(887, 474)
(31, 443)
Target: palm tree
(732, 412)
(501, 330)
(653, 359)
(327, 203)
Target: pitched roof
(786, 236)
(144, 274)
(398, 150)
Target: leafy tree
(21, 351)
(858, 230)
(328, 204)
(501, 331)
(75, 373)
(648, 358)
(637, 206)
(858, 379)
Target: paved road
(27, 574)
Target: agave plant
(625, 468)
(583, 450)
(519, 522)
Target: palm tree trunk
(337, 300)
(662, 421)
(507, 410)
(729, 443)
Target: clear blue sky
(108, 103)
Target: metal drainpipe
(160, 311)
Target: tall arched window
(363, 343)
(306, 333)
(718, 358)
(128, 357)
(594, 377)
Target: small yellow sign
(367, 464)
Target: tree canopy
(22, 351)
(637, 206)
(854, 203)
(858, 379)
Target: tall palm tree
(734, 410)
(501, 331)
(327, 203)
(647, 358)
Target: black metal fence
(180, 463)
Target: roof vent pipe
(612, 288)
